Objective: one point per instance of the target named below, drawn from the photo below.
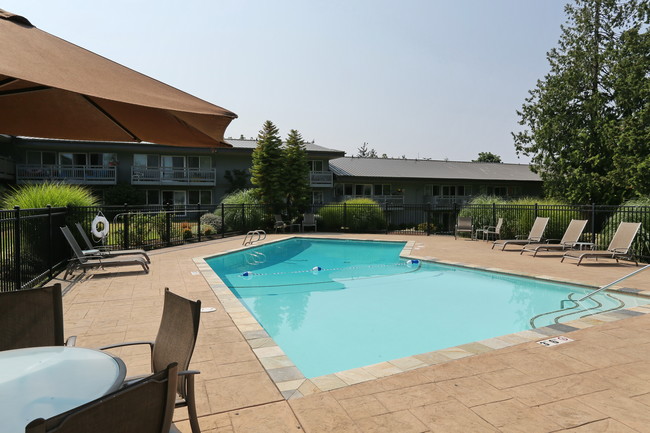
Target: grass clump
(55, 194)
(244, 211)
(358, 215)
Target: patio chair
(146, 406)
(619, 245)
(308, 220)
(568, 241)
(464, 225)
(175, 342)
(96, 250)
(31, 318)
(83, 261)
(489, 231)
(279, 224)
(535, 236)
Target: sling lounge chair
(535, 235)
(568, 241)
(490, 231)
(279, 224)
(464, 225)
(82, 261)
(179, 327)
(93, 250)
(308, 220)
(619, 246)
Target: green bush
(124, 193)
(243, 211)
(55, 194)
(361, 215)
(211, 222)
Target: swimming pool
(335, 305)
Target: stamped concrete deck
(599, 382)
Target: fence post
(386, 204)
(494, 213)
(223, 222)
(536, 210)
(345, 216)
(593, 224)
(198, 220)
(168, 224)
(243, 217)
(428, 219)
(50, 236)
(17, 264)
(126, 239)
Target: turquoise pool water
(334, 305)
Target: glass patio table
(40, 382)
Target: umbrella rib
(111, 118)
(7, 81)
(25, 90)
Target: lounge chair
(179, 327)
(82, 261)
(464, 225)
(308, 220)
(144, 407)
(489, 231)
(96, 250)
(535, 235)
(568, 241)
(31, 318)
(619, 246)
(279, 224)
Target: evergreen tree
(576, 125)
(296, 173)
(267, 169)
(364, 152)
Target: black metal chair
(175, 342)
(146, 406)
(32, 317)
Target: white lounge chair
(568, 241)
(619, 246)
(535, 235)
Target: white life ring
(100, 234)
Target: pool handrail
(614, 282)
(261, 235)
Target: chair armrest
(71, 341)
(188, 372)
(133, 343)
(553, 241)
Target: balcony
(447, 200)
(7, 168)
(322, 179)
(173, 176)
(73, 174)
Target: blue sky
(420, 78)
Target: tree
(579, 125)
(267, 167)
(364, 152)
(238, 179)
(296, 173)
(487, 157)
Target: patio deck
(600, 382)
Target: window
(202, 162)
(41, 158)
(73, 158)
(317, 197)
(382, 190)
(348, 189)
(363, 190)
(430, 190)
(103, 159)
(153, 197)
(199, 197)
(141, 160)
(316, 166)
(173, 197)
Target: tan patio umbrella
(54, 89)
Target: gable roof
(430, 169)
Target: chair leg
(191, 405)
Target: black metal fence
(33, 250)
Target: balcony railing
(173, 176)
(7, 168)
(75, 174)
(447, 200)
(320, 178)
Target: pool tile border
(292, 384)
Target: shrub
(631, 212)
(361, 215)
(243, 211)
(211, 221)
(54, 194)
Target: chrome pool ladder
(250, 239)
(577, 302)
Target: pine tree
(575, 123)
(296, 174)
(267, 167)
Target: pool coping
(293, 384)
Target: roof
(252, 144)
(430, 169)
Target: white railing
(173, 176)
(442, 200)
(76, 174)
(320, 178)
(7, 168)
